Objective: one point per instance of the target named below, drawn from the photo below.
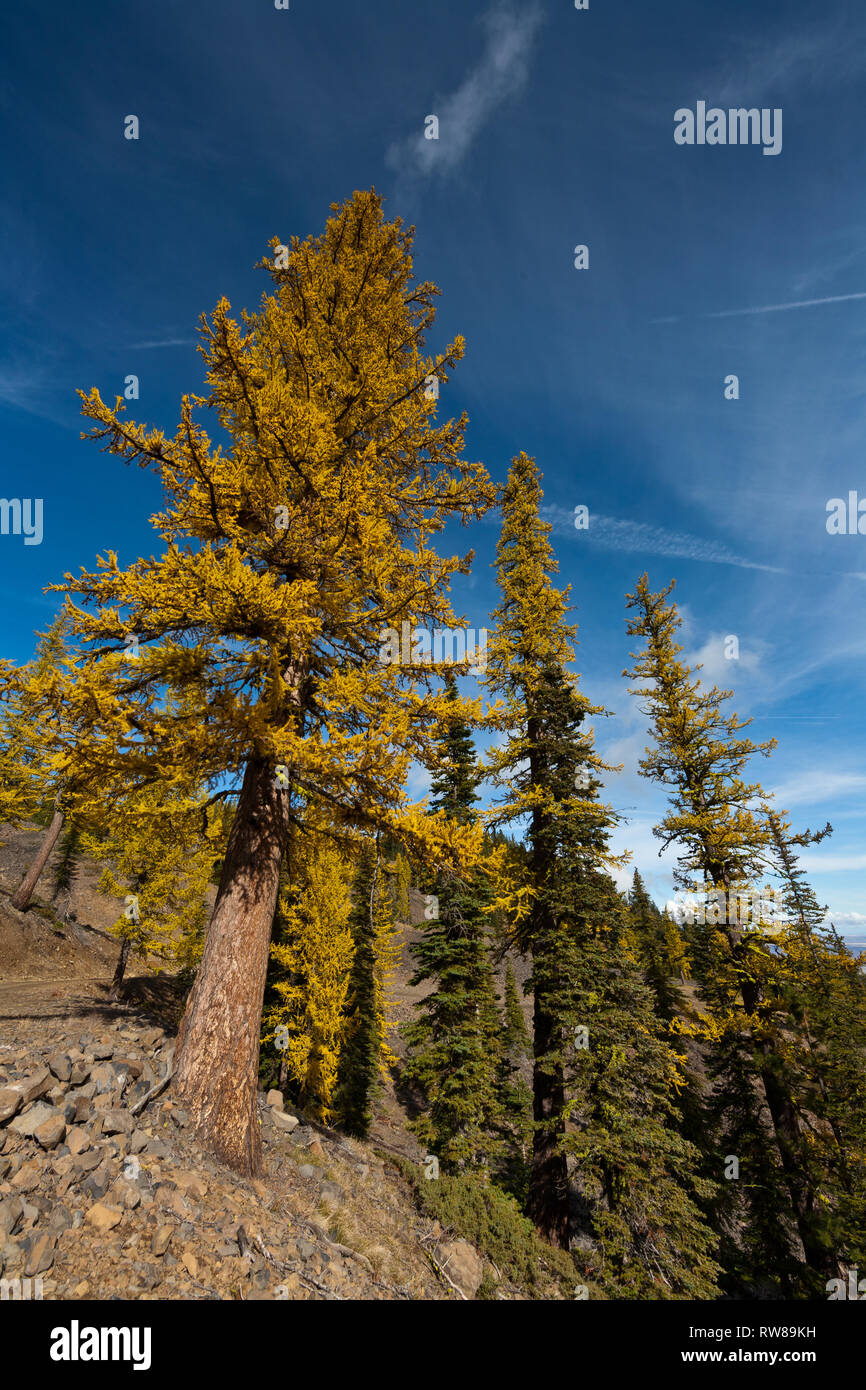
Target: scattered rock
(61, 1066)
(104, 1077)
(77, 1110)
(77, 1140)
(11, 1211)
(28, 1175)
(161, 1238)
(60, 1218)
(26, 1123)
(10, 1102)
(50, 1133)
(86, 1161)
(40, 1255)
(463, 1265)
(103, 1218)
(117, 1122)
(191, 1184)
(33, 1086)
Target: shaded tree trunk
(120, 969)
(547, 1204)
(217, 1053)
(24, 892)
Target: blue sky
(556, 129)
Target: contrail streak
(769, 308)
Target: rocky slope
(104, 1193)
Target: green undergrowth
(491, 1220)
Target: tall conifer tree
(542, 715)
(454, 1041)
(604, 1079)
(286, 556)
(701, 756)
(366, 1047)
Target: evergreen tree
(68, 864)
(366, 1049)
(658, 946)
(401, 882)
(823, 989)
(27, 778)
(288, 555)
(541, 764)
(642, 1192)
(701, 756)
(515, 1096)
(604, 1079)
(454, 1042)
(516, 1041)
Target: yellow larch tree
(314, 956)
(160, 853)
(290, 546)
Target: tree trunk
(24, 892)
(120, 971)
(547, 1204)
(217, 1053)
(783, 1114)
(789, 1140)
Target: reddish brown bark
(217, 1054)
(24, 892)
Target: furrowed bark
(217, 1056)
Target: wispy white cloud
(500, 74)
(817, 786)
(821, 53)
(22, 386)
(610, 533)
(818, 863)
(34, 389)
